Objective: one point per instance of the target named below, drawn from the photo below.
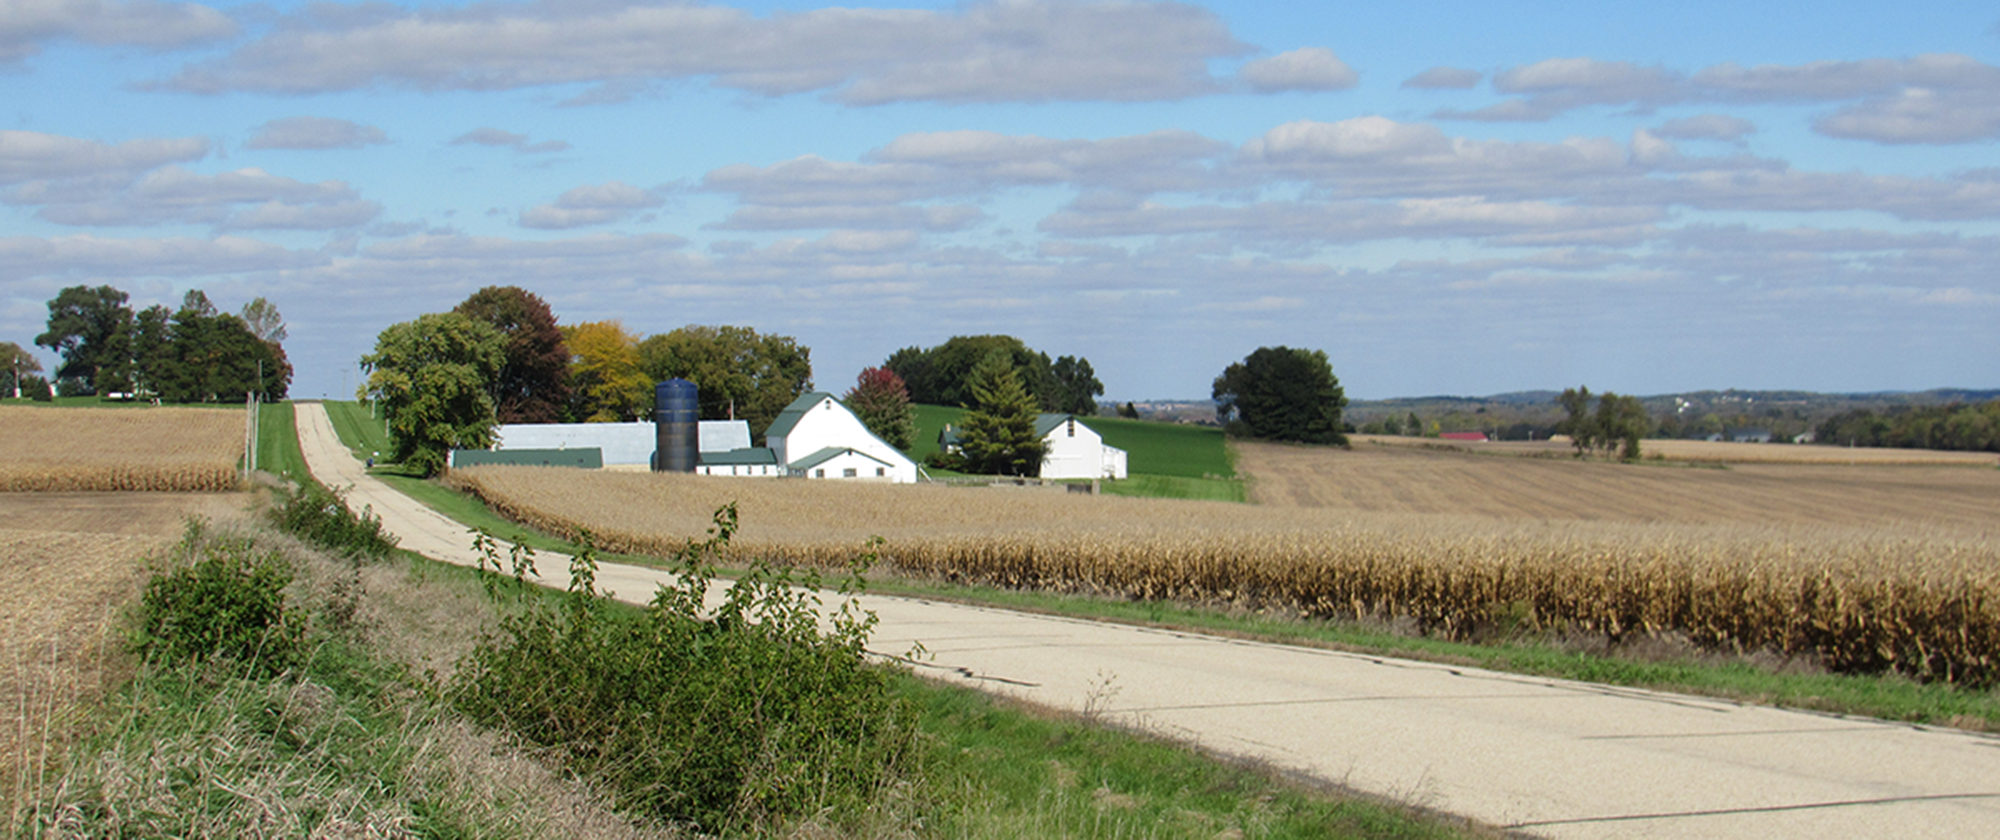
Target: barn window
(848, 473)
(879, 473)
(819, 473)
(1072, 427)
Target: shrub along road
(1545, 757)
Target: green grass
(1177, 487)
(1004, 771)
(359, 428)
(278, 442)
(1164, 460)
(1173, 449)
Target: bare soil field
(119, 449)
(1404, 479)
(1704, 451)
(72, 560)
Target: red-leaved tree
(882, 401)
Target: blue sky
(1448, 198)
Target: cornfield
(1709, 452)
(123, 449)
(1916, 599)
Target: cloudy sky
(1449, 198)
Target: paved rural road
(1544, 757)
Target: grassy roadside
(1885, 697)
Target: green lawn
(278, 442)
(359, 428)
(1165, 460)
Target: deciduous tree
(882, 401)
(1282, 393)
(18, 362)
(606, 384)
(90, 327)
(740, 373)
(434, 376)
(942, 375)
(1077, 388)
(533, 387)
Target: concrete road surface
(1545, 757)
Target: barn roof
(793, 413)
(830, 453)
(737, 457)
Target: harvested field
(61, 593)
(121, 449)
(1412, 480)
(1921, 599)
(65, 581)
(1706, 452)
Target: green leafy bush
(220, 599)
(740, 718)
(321, 517)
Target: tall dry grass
(125, 449)
(1918, 599)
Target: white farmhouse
(1072, 449)
(817, 437)
(1075, 451)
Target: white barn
(817, 437)
(623, 444)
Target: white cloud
(174, 195)
(594, 204)
(1918, 115)
(101, 257)
(315, 133)
(987, 51)
(1562, 84)
(518, 142)
(1706, 127)
(1312, 68)
(33, 156)
(26, 24)
(1444, 78)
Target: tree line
(192, 354)
(446, 379)
(1961, 427)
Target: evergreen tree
(882, 401)
(998, 436)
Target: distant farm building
(815, 437)
(1475, 437)
(1074, 450)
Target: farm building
(817, 437)
(814, 437)
(1074, 449)
(630, 445)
